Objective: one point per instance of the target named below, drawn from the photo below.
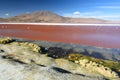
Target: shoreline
(67, 24)
(97, 52)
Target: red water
(101, 36)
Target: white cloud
(95, 14)
(92, 13)
(109, 7)
(107, 17)
(27, 12)
(7, 14)
(76, 13)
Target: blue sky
(104, 9)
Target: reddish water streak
(101, 36)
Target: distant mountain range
(49, 17)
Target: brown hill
(49, 17)
(42, 16)
(3, 20)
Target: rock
(65, 64)
(10, 70)
(44, 60)
(20, 62)
(5, 40)
(32, 46)
(20, 53)
(56, 52)
(91, 65)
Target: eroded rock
(25, 63)
(5, 40)
(92, 65)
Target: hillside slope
(49, 17)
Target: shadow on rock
(60, 70)
(56, 52)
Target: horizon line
(75, 24)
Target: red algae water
(100, 36)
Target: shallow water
(101, 36)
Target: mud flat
(93, 35)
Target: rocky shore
(37, 60)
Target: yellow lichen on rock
(93, 65)
(5, 40)
(32, 46)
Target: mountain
(49, 17)
(3, 20)
(42, 16)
